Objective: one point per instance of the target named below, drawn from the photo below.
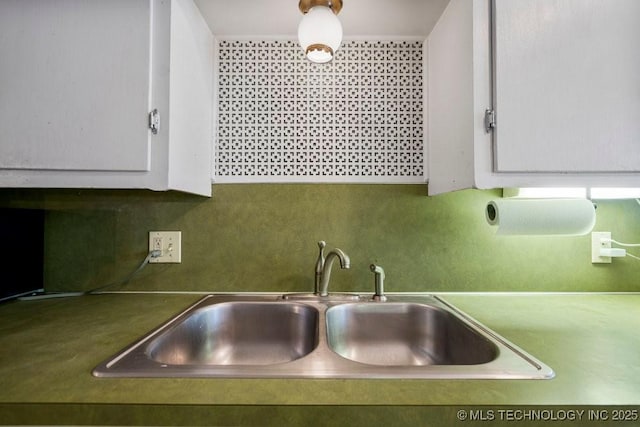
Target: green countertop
(49, 348)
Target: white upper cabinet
(64, 68)
(567, 85)
(79, 81)
(563, 80)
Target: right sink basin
(405, 334)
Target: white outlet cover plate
(169, 242)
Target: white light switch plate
(169, 243)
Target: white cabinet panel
(564, 82)
(567, 85)
(75, 84)
(78, 79)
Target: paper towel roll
(568, 217)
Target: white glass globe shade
(320, 29)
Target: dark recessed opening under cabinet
(21, 252)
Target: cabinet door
(74, 84)
(567, 85)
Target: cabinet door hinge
(489, 120)
(154, 121)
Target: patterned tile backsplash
(356, 119)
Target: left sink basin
(239, 333)
(221, 336)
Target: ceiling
(373, 18)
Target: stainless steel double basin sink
(269, 336)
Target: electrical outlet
(597, 243)
(169, 243)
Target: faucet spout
(345, 263)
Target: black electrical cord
(94, 291)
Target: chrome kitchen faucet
(323, 268)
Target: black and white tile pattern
(356, 119)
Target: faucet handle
(320, 262)
(379, 282)
(319, 266)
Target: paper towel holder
(492, 214)
(541, 217)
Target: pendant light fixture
(320, 31)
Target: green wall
(263, 238)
